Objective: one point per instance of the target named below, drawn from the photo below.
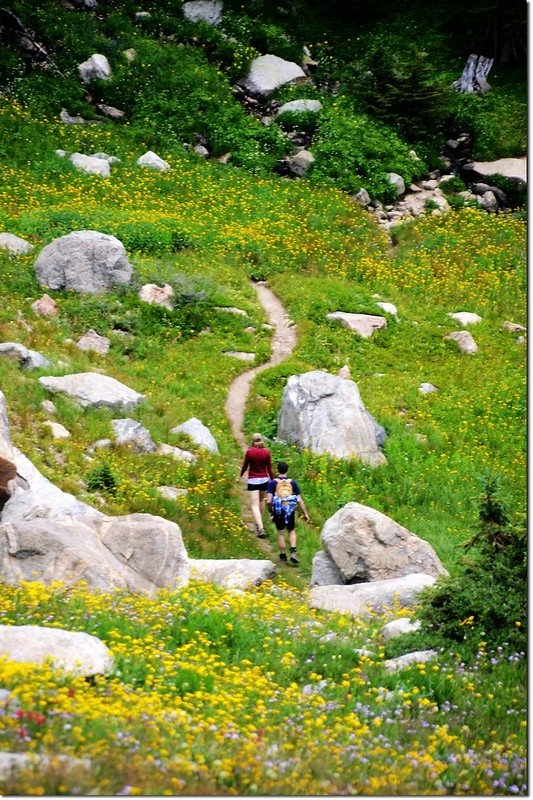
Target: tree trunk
(474, 77)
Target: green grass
(320, 253)
(206, 679)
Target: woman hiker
(258, 462)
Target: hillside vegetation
(208, 692)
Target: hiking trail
(283, 342)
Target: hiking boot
(294, 557)
(260, 532)
(283, 557)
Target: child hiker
(283, 495)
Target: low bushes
(353, 151)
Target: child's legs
(281, 541)
(292, 538)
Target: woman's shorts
(258, 487)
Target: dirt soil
(283, 343)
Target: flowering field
(216, 692)
(225, 693)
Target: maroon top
(258, 462)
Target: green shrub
(486, 600)
(352, 151)
(497, 121)
(101, 477)
(298, 121)
(452, 186)
(172, 95)
(150, 237)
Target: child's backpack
(284, 500)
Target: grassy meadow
(221, 692)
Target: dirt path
(283, 343)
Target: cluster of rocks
(369, 563)
(47, 534)
(426, 196)
(101, 163)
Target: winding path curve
(283, 343)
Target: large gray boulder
(232, 573)
(509, 167)
(366, 545)
(8, 468)
(95, 68)
(47, 534)
(325, 414)
(364, 599)
(75, 652)
(91, 389)
(34, 497)
(199, 433)
(86, 261)
(138, 553)
(203, 11)
(269, 72)
(27, 359)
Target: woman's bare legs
(257, 502)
